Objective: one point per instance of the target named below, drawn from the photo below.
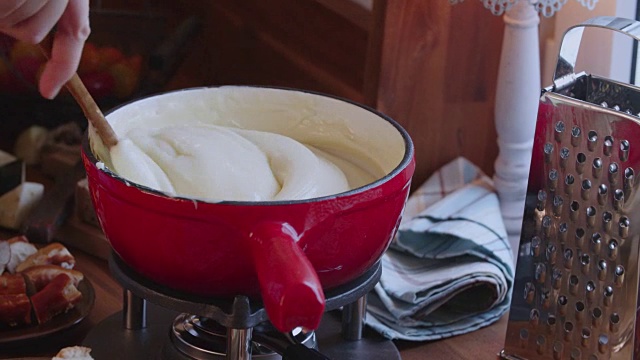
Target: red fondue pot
(286, 251)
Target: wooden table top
(481, 344)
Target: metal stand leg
(239, 344)
(353, 319)
(134, 311)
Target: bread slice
(54, 253)
(15, 310)
(59, 296)
(38, 276)
(74, 352)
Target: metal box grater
(576, 290)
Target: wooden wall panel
(438, 77)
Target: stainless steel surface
(173, 334)
(576, 286)
(239, 344)
(353, 316)
(134, 311)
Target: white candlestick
(517, 95)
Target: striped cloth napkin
(450, 268)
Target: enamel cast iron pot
(284, 252)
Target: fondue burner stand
(164, 324)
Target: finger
(36, 27)
(13, 12)
(71, 33)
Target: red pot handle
(290, 288)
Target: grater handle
(573, 36)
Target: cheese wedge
(16, 204)
(6, 158)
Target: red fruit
(90, 60)
(98, 83)
(110, 55)
(126, 78)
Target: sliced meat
(15, 310)
(59, 296)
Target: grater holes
(628, 182)
(548, 151)
(618, 275)
(579, 311)
(556, 278)
(585, 189)
(534, 317)
(552, 179)
(535, 246)
(614, 322)
(591, 216)
(592, 139)
(607, 145)
(612, 249)
(524, 337)
(607, 220)
(574, 208)
(542, 200)
(585, 263)
(581, 159)
(545, 298)
(623, 227)
(569, 180)
(603, 343)
(624, 150)
(596, 168)
(557, 205)
(557, 350)
(564, 156)
(540, 343)
(574, 281)
(590, 290)
(546, 225)
(562, 305)
(551, 253)
(540, 273)
(529, 292)
(602, 270)
(596, 316)
(618, 199)
(568, 258)
(568, 329)
(551, 323)
(576, 136)
(613, 173)
(580, 237)
(559, 131)
(607, 295)
(596, 243)
(563, 229)
(585, 335)
(575, 354)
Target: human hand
(32, 20)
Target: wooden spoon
(89, 107)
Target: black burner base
(109, 340)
